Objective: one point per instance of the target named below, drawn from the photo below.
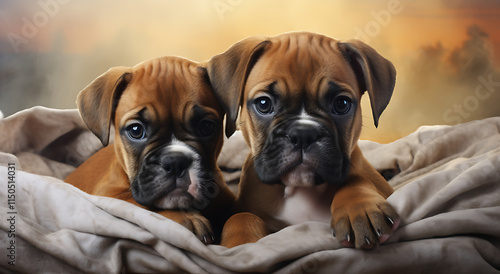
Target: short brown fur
(297, 70)
(163, 92)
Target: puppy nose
(176, 164)
(302, 135)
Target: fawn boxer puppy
(299, 95)
(167, 137)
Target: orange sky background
(446, 52)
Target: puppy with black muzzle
(167, 136)
(300, 95)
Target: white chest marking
(303, 204)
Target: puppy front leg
(361, 216)
(243, 228)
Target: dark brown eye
(206, 127)
(136, 131)
(341, 105)
(264, 105)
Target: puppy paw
(199, 225)
(193, 221)
(364, 224)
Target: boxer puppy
(299, 95)
(168, 134)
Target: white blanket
(447, 182)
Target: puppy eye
(264, 105)
(206, 127)
(341, 105)
(136, 131)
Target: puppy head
(299, 95)
(168, 128)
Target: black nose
(176, 164)
(302, 135)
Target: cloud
(475, 56)
(447, 86)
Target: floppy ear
(97, 102)
(374, 73)
(228, 73)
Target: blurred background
(446, 52)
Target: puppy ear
(228, 73)
(375, 74)
(97, 102)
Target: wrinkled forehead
(171, 84)
(302, 62)
(166, 78)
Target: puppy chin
(180, 198)
(300, 176)
(176, 199)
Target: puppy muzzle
(301, 152)
(168, 179)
